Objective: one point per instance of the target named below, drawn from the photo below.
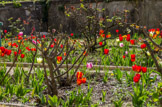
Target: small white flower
(148, 53)
(117, 40)
(39, 60)
(128, 30)
(151, 33)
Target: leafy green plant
(16, 4)
(129, 77)
(9, 90)
(139, 96)
(2, 93)
(24, 99)
(54, 101)
(146, 78)
(20, 90)
(79, 97)
(105, 78)
(37, 85)
(118, 103)
(103, 95)
(42, 98)
(118, 75)
(156, 95)
(94, 105)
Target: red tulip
(59, 58)
(128, 38)
(2, 54)
(143, 46)
(28, 48)
(55, 40)
(134, 67)
(136, 78)
(61, 46)
(22, 55)
(2, 49)
(133, 60)
(132, 41)
(144, 69)
(33, 49)
(120, 35)
(33, 37)
(19, 52)
(133, 56)
(124, 56)
(138, 68)
(5, 31)
(121, 38)
(106, 51)
(15, 53)
(9, 52)
(100, 43)
(138, 75)
(128, 35)
(52, 46)
(44, 36)
(72, 34)
(158, 29)
(117, 31)
(5, 51)
(19, 38)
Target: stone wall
(24, 12)
(150, 13)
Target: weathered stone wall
(150, 13)
(24, 12)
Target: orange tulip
(64, 53)
(79, 81)
(79, 75)
(59, 58)
(84, 80)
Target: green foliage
(2, 93)
(118, 103)
(103, 95)
(105, 78)
(156, 95)
(15, 27)
(129, 77)
(139, 96)
(118, 75)
(42, 98)
(79, 97)
(37, 85)
(16, 4)
(20, 90)
(54, 101)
